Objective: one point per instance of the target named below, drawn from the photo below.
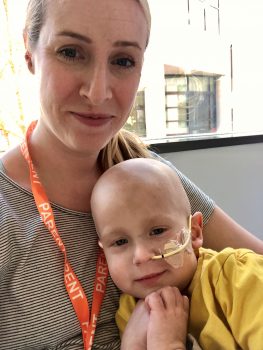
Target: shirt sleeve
(226, 310)
(199, 201)
(239, 290)
(127, 304)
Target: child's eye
(70, 54)
(120, 242)
(157, 231)
(123, 62)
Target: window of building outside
(201, 78)
(198, 83)
(190, 98)
(136, 121)
(190, 104)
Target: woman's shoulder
(15, 167)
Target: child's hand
(135, 334)
(167, 327)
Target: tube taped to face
(174, 250)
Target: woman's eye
(124, 62)
(70, 53)
(157, 231)
(120, 242)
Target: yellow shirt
(226, 301)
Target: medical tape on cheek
(174, 250)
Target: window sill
(189, 143)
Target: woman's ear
(28, 54)
(197, 230)
(29, 61)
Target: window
(204, 15)
(202, 72)
(136, 120)
(190, 104)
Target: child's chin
(143, 294)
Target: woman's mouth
(93, 119)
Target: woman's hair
(36, 15)
(147, 13)
(124, 145)
(35, 18)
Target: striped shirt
(35, 310)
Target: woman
(87, 57)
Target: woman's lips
(93, 119)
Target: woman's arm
(222, 231)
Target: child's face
(133, 227)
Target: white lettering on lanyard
(71, 283)
(44, 209)
(102, 276)
(93, 325)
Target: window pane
(196, 112)
(136, 121)
(176, 114)
(176, 84)
(214, 3)
(198, 83)
(196, 13)
(212, 20)
(176, 128)
(175, 100)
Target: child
(144, 222)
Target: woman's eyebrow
(86, 39)
(125, 43)
(75, 35)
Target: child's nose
(142, 254)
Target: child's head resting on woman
(141, 211)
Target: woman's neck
(67, 176)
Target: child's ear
(100, 244)
(197, 230)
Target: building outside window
(202, 73)
(190, 104)
(204, 14)
(136, 120)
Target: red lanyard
(75, 291)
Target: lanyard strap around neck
(75, 291)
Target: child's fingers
(167, 297)
(186, 303)
(154, 301)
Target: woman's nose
(142, 254)
(97, 86)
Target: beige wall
(232, 176)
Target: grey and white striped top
(35, 310)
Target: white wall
(232, 176)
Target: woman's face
(88, 62)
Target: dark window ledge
(188, 144)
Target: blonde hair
(123, 146)
(36, 15)
(147, 13)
